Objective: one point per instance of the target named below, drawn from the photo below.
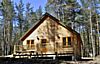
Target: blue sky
(34, 3)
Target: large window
(69, 40)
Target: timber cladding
(49, 35)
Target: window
(32, 44)
(69, 40)
(28, 42)
(32, 41)
(64, 41)
(43, 41)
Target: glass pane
(28, 41)
(43, 40)
(64, 40)
(32, 41)
(69, 40)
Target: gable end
(46, 15)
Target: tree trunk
(91, 34)
(97, 30)
(7, 36)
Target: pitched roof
(40, 21)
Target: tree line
(81, 15)
(15, 20)
(84, 17)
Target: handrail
(24, 47)
(43, 47)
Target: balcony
(44, 48)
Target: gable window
(43, 42)
(69, 40)
(64, 41)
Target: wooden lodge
(50, 37)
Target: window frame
(28, 42)
(64, 41)
(43, 44)
(69, 42)
(32, 42)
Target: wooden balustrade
(47, 47)
(24, 47)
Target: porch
(43, 49)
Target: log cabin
(50, 37)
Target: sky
(34, 3)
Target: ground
(37, 61)
(95, 61)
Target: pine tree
(64, 10)
(20, 17)
(86, 4)
(39, 12)
(8, 15)
(30, 17)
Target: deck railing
(44, 47)
(23, 47)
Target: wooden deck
(48, 49)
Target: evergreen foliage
(82, 15)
